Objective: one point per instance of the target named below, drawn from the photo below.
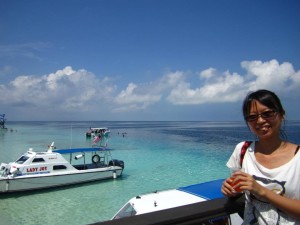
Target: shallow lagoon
(157, 156)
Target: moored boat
(39, 170)
(2, 122)
(167, 199)
(97, 131)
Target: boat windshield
(126, 211)
(22, 159)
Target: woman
(269, 173)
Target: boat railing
(197, 213)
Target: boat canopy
(208, 190)
(74, 150)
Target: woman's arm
(287, 205)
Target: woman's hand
(240, 182)
(227, 188)
(245, 182)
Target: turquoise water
(157, 156)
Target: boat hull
(29, 183)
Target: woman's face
(263, 121)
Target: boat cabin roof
(98, 128)
(33, 154)
(208, 190)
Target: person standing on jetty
(268, 169)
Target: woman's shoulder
(235, 159)
(292, 148)
(242, 144)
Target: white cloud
(54, 78)
(68, 90)
(225, 88)
(208, 73)
(281, 78)
(134, 98)
(65, 90)
(137, 97)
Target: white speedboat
(97, 131)
(166, 199)
(38, 170)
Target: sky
(146, 60)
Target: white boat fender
(79, 156)
(96, 158)
(7, 185)
(114, 174)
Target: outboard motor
(3, 166)
(116, 162)
(4, 169)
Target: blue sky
(146, 60)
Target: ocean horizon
(158, 155)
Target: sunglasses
(270, 114)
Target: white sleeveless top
(283, 180)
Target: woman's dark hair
(265, 97)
